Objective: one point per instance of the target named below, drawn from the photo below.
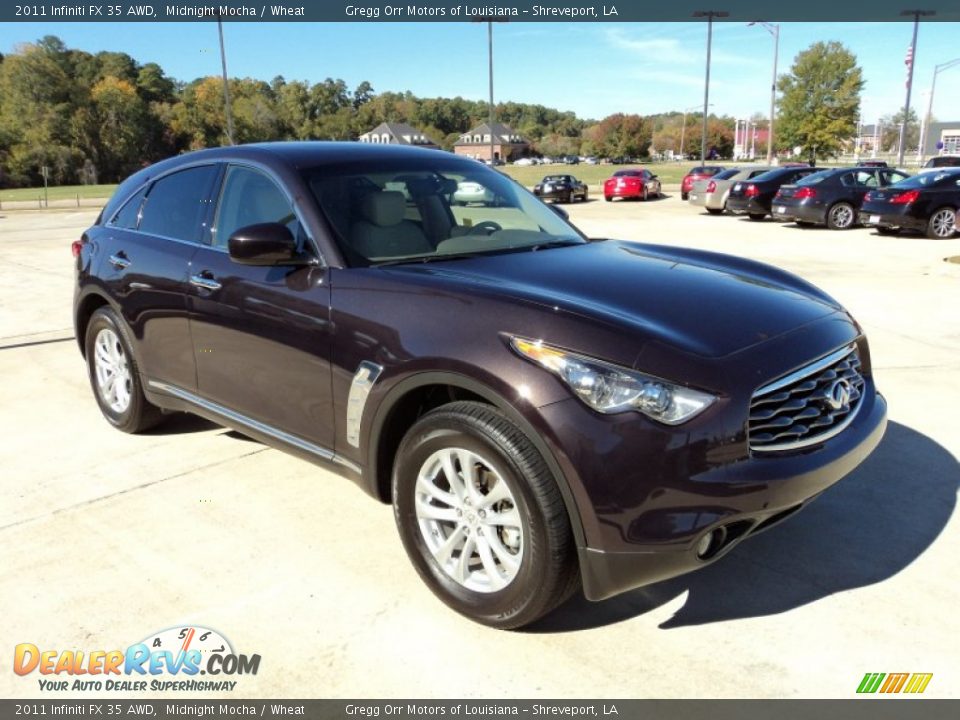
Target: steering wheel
(487, 226)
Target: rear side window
(726, 174)
(128, 216)
(177, 204)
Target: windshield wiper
(552, 244)
(427, 258)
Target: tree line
(92, 118)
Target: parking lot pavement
(106, 538)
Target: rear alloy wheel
(114, 376)
(757, 216)
(481, 516)
(841, 216)
(942, 224)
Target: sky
(593, 69)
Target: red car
(631, 183)
(702, 172)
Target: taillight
(868, 197)
(751, 191)
(76, 246)
(805, 193)
(711, 186)
(905, 198)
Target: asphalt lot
(106, 538)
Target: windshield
(816, 177)
(930, 179)
(726, 174)
(420, 209)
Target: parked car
(570, 160)
(927, 202)
(712, 194)
(561, 188)
(525, 162)
(941, 161)
(471, 192)
(701, 172)
(543, 411)
(592, 161)
(639, 183)
(753, 198)
(873, 163)
(831, 197)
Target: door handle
(120, 261)
(205, 280)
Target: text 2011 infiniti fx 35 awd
(543, 410)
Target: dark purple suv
(544, 411)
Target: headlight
(612, 389)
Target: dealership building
(942, 138)
(501, 139)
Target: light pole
(683, 125)
(933, 86)
(916, 14)
(773, 29)
(709, 15)
(226, 85)
(489, 19)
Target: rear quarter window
(128, 216)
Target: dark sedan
(754, 198)
(545, 412)
(926, 203)
(561, 188)
(831, 197)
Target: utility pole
(917, 14)
(226, 84)
(709, 15)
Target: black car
(753, 198)
(561, 188)
(926, 203)
(943, 161)
(831, 197)
(544, 412)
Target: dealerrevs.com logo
(183, 653)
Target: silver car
(713, 192)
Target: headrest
(383, 208)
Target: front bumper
(766, 491)
(557, 194)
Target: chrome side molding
(360, 387)
(270, 431)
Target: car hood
(703, 303)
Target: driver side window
(248, 198)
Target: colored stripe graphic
(914, 683)
(918, 683)
(870, 682)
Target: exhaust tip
(710, 544)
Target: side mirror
(560, 211)
(263, 244)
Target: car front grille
(808, 406)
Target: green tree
(820, 100)
(891, 131)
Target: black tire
(887, 230)
(841, 216)
(139, 414)
(715, 211)
(608, 198)
(684, 196)
(942, 224)
(757, 216)
(548, 573)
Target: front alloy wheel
(481, 516)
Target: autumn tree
(820, 100)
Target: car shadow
(180, 423)
(652, 198)
(864, 530)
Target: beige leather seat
(382, 231)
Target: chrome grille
(808, 406)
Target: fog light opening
(710, 543)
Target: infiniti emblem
(838, 395)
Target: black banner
(452, 11)
(864, 709)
